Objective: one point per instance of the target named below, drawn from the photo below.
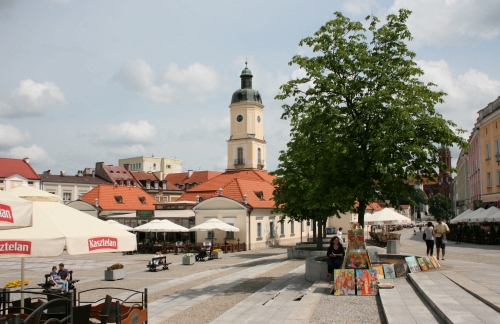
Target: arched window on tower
(259, 157)
(239, 160)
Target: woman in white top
(339, 234)
(429, 238)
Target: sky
(95, 81)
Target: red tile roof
(116, 172)
(9, 167)
(141, 175)
(87, 179)
(197, 176)
(130, 198)
(235, 184)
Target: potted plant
(114, 272)
(217, 254)
(188, 259)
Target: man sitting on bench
(63, 275)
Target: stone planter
(116, 274)
(217, 255)
(188, 260)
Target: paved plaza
(264, 287)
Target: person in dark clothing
(459, 234)
(335, 256)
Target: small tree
(439, 206)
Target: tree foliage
(362, 122)
(439, 206)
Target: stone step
(449, 301)
(403, 304)
(486, 295)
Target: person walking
(335, 256)
(339, 235)
(459, 234)
(414, 229)
(429, 238)
(441, 229)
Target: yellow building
(246, 149)
(489, 139)
(160, 167)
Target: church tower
(246, 147)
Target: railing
(260, 162)
(239, 161)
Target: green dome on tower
(246, 93)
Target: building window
(119, 199)
(148, 185)
(497, 143)
(230, 235)
(168, 166)
(271, 228)
(282, 228)
(165, 198)
(1, 181)
(128, 183)
(67, 196)
(292, 227)
(154, 166)
(156, 185)
(488, 151)
(259, 156)
(210, 235)
(259, 230)
(142, 200)
(488, 175)
(30, 183)
(164, 186)
(157, 198)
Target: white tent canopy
(489, 215)
(14, 211)
(386, 216)
(33, 194)
(462, 217)
(159, 226)
(214, 224)
(471, 217)
(119, 225)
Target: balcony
(239, 163)
(260, 164)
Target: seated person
(202, 255)
(62, 277)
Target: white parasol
(161, 226)
(33, 194)
(214, 224)
(14, 211)
(119, 225)
(386, 216)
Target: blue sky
(88, 81)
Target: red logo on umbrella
(6, 214)
(15, 247)
(97, 243)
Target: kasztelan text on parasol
(14, 211)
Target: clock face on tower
(239, 118)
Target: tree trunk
(319, 242)
(361, 212)
(313, 224)
(324, 228)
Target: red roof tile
(235, 184)
(9, 167)
(197, 176)
(141, 175)
(130, 198)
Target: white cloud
(357, 7)
(445, 22)
(127, 133)
(11, 136)
(196, 83)
(37, 155)
(129, 150)
(32, 99)
(467, 93)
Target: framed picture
(366, 282)
(389, 271)
(412, 264)
(343, 282)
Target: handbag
(424, 236)
(444, 241)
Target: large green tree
(362, 105)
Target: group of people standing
(438, 232)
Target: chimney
(26, 160)
(220, 192)
(63, 173)
(127, 166)
(190, 173)
(245, 198)
(93, 174)
(47, 172)
(80, 173)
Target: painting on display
(422, 264)
(412, 264)
(401, 269)
(356, 260)
(373, 254)
(380, 271)
(389, 271)
(429, 263)
(436, 262)
(344, 282)
(356, 242)
(366, 282)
